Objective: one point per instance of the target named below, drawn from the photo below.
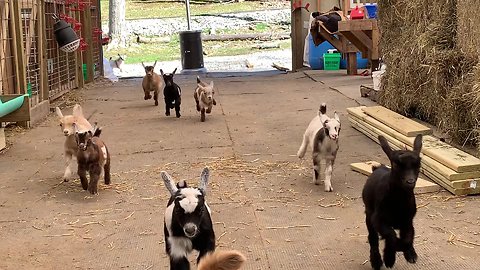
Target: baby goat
(204, 98)
(68, 125)
(94, 157)
(222, 260)
(118, 63)
(187, 223)
(322, 137)
(152, 82)
(390, 204)
(172, 94)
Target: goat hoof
(389, 259)
(178, 115)
(156, 103)
(328, 189)
(198, 108)
(167, 114)
(410, 255)
(376, 262)
(65, 179)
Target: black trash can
(191, 50)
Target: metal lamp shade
(66, 37)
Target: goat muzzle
(82, 146)
(190, 230)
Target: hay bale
(429, 77)
(467, 27)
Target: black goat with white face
(187, 224)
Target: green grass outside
(171, 51)
(137, 10)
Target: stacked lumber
(451, 168)
(422, 186)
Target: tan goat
(69, 124)
(222, 260)
(152, 82)
(204, 98)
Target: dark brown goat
(94, 157)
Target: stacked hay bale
(432, 63)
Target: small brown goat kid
(204, 98)
(222, 260)
(94, 157)
(68, 124)
(152, 82)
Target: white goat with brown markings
(322, 137)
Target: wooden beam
(352, 63)
(354, 40)
(18, 48)
(87, 34)
(357, 25)
(451, 157)
(297, 39)
(79, 60)
(372, 133)
(42, 50)
(445, 171)
(3, 142)
(422, 186)
(396, 121)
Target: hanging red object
(77, 26)
(83, 45)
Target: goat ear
(77, 111)
(175, 70)
(385, 147)
(204, 179)
(143, 65)
(154, 64)
(59, 112)
(335, 115)
(198, 80)
(161, 71)
(169, 182)
(211, 84)
(417, 144)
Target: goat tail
(222, 260)
(323, 108)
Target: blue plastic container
(315, 56)
(371, 10)
(315, 53)
(362, 63)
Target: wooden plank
(397, 121)
(446, 171)
(451, 157)
(79, 61)
(3, 142)
(456, 187)
(354, 40)
(357, 25)
(422, 186)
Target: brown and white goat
(94, 157)
(118, 63)
(68, 125)
(222, 260)
(322, 136)
(152, 82)
(204, 98)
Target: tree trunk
(116, 24)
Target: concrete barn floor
(263, 201)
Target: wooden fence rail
(31, 61)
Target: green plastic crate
(331, 61)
